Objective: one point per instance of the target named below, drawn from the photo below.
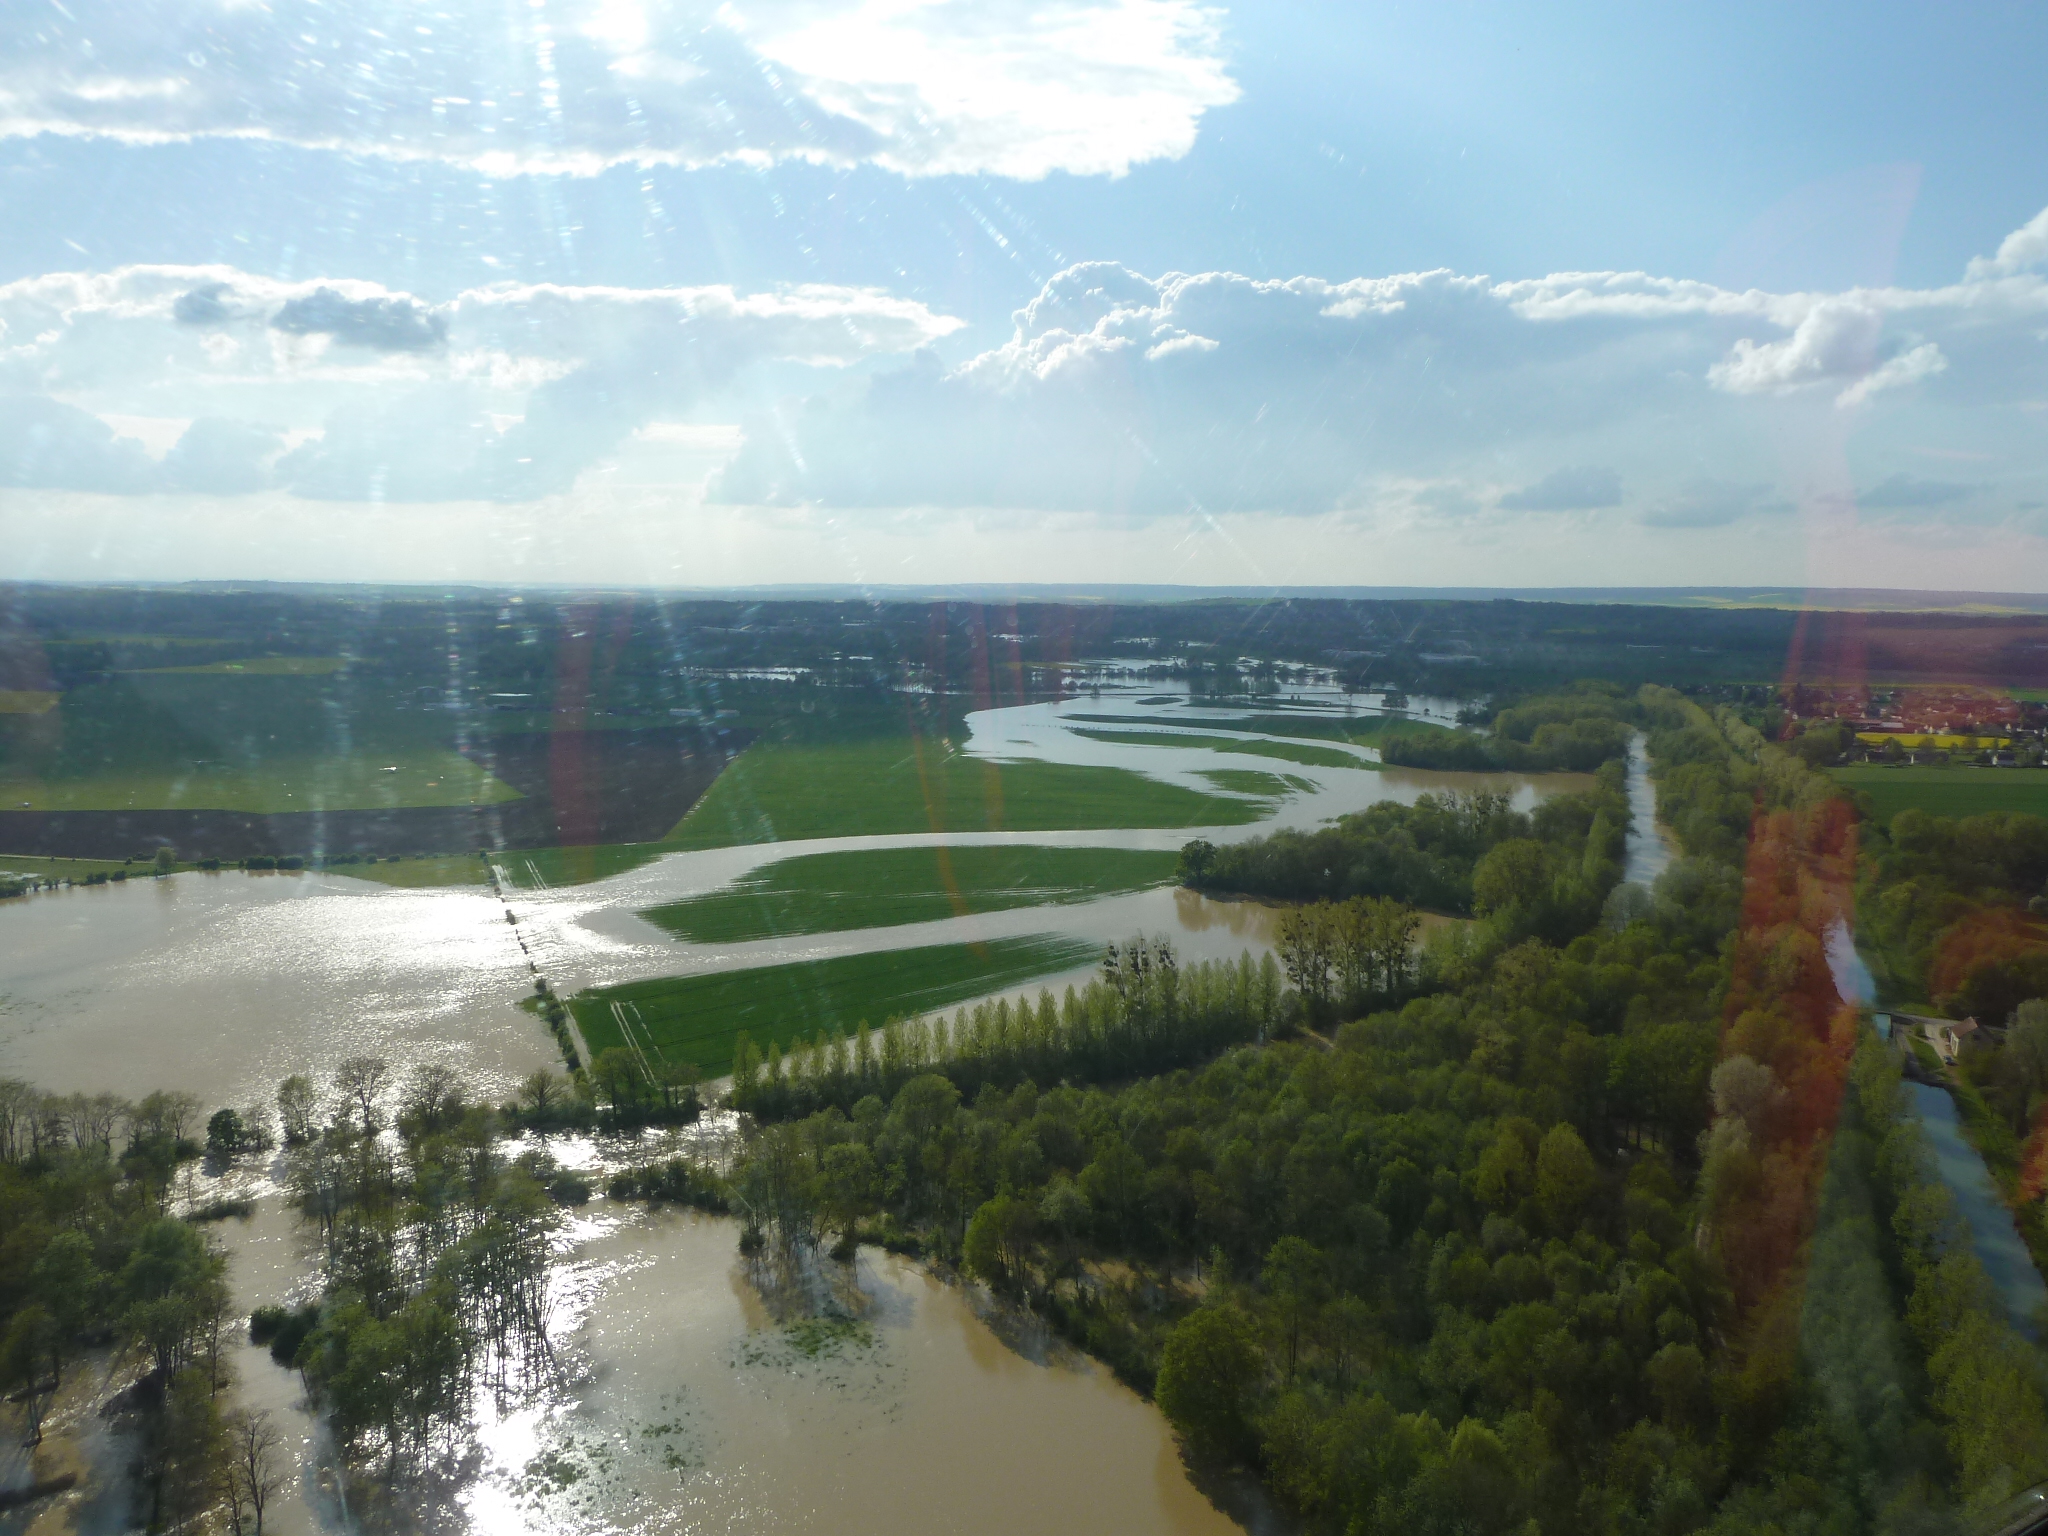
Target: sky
(627, 292)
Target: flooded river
(679, 1406)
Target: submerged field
(698, 1018)
(1359, 730)
(1947, 791)
(830, 892)
(1307, 756)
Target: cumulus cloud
(2025, 247)
(380, 323)
(500, 393)
(1137, 396)
(220, 457)
(1709, 503)
(1115, 396)
(1837, 342)
(48, 445)
(1903, 490)
(1016, 88)
(1567, 490)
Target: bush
(226, 1134)
(283, 1329)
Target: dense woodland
(1523, 1235)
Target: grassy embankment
(1358, 730)
(1307, 756)
(1947, 791)
(885, 888)
(698, 1018)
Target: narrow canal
(1993, 1237)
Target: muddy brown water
(682, 1404)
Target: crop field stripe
(698, 1018)
(1968, 791)
(782, 792)
(879, 888)
(1309, 756)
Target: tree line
(1573, 731)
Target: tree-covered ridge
(1514, 1255)
(1573, 731)
(1543, 872)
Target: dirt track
(580, 787)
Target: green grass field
(698, 1018)
(23, 864)
(884, 888)
(782, 792)
(1947, 791)
(1307, 756)
(1270, 787)
(260, 666)
(423, 776)
(419, 874)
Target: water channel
(1993, 1237)
(677, 1406)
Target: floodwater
(681, 1406)
(688, 1409)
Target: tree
(847, 1186)
(1565, 1176)
(432, 1101)
(620, 1080)
(359, 1080)
(999, 1239)
(540, 1092)
(1513, 877)
(1296, 1277)
(166, 859)
(225, 1133)
(1307, 942)
(252, 1470)
(1196, 858)
(1207, 1373)
(296, 1106)
(29, 1356)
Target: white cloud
(1703, 502)
(1133, 397)
(1837, 341)
(503, 393)
(2025, 247)
(1571, 489)
(1016, 88)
